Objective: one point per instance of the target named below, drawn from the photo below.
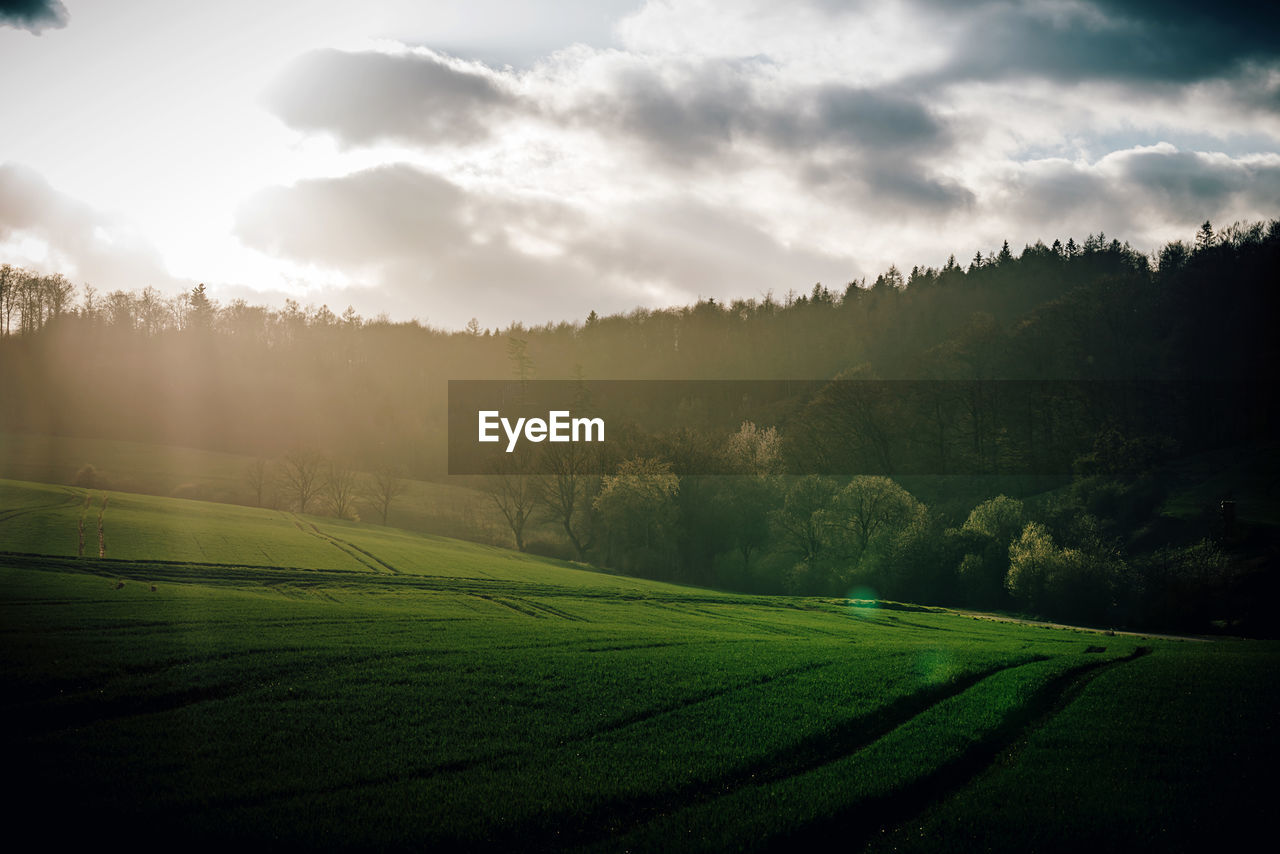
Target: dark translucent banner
(844, 427)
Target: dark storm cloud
(84, 243)
(33, 15)
(1135, 42)
(366, 97)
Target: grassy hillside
(171, 471)
(228, 673)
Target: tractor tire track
(856, 826)
(530, 608)
(454, 766)
(354, 552)
(6, 515)
(617, 818)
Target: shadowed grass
(439, 692)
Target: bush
(1084, 584)
(1001, 518)
(982, 544)
(1032, 559)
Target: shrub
(1032, 559)
(1083, 583)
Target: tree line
(309, 481)
(1085, 550)
(263, 381)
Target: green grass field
(226, 673)
(451, 508)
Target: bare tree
(514, 493)
(120, 310)
(568, 490)
(57, 294)
(300, 476)
(340, 490)
(8, 294)
(152, 310)
(258, 473)
(387, 486)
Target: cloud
(62, 234)
(858, 143)
(729, 149)
(424, 241)
(1137, 43)
(33, 15)
(689, 248)
(710, 115)
(418, 97)
(420, 239)
(1141, 193)
(874, 119)
(683, 113)
(1189, 180)
(379, 216)
(689, 113)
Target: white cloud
(44, 229)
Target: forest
(910, 464)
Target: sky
(534, 161)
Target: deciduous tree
(513, 492)
(387, 485)
(301, 476)
(340, 489)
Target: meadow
(221, 673)
(450, 508)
